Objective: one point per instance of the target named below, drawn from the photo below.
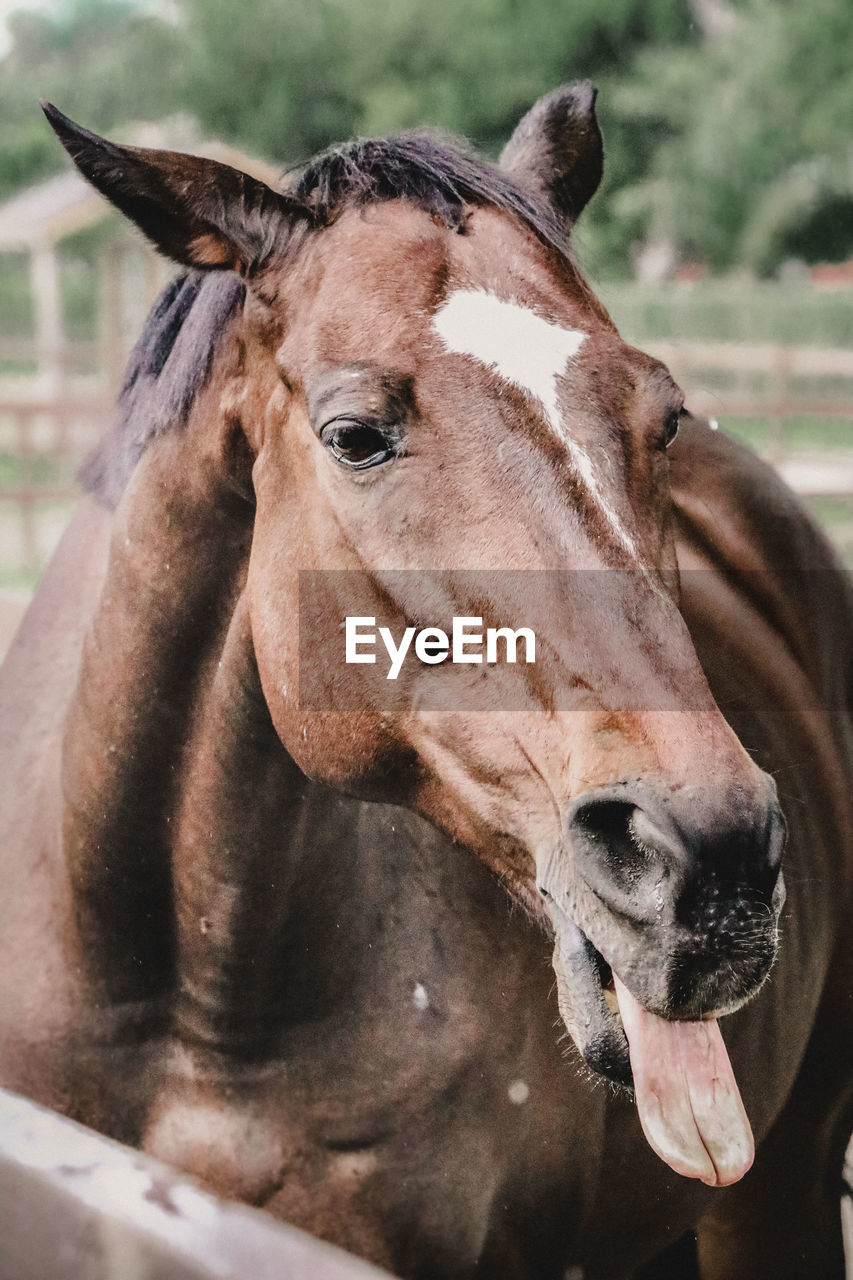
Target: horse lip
(583, 973)
(596, 1031)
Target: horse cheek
(356, 751)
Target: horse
(436, 966)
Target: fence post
(26, 497)
(47, 302)
(781, 371)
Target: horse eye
(670, 428)
(357, 445)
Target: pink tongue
(689, 1103)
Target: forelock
(437, 173)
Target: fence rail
(45, 431)
(82, 1207)
(764, 357)
(43, 439)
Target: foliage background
(727, 122)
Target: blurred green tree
(753, 162)
(101, 60)
(294, 77)
(726, 121)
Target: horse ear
(556, 150)
(201, 213)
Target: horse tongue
(689, 1103)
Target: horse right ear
(201, 213)
(556, 150)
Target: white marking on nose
(420, 999)
(531, 353)
(519, 1092)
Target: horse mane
(173, 357)
(437, 172)
(168, 367)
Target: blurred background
(721, 240)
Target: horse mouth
(587, 1000)
(589, 1005)
(678, 1072)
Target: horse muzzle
(680, 901)
(664, 859)
(666, 917)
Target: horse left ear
(556, 150)
(201, 213)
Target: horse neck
(169, 755)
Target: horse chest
(413, 1092)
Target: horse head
(430, 402)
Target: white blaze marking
(517, 343)
(531, 353)
(420, 999)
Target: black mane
(440, 175)
(168, 367)
(172, 360)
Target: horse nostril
(622, 854)
(652, 858)
(604, 819)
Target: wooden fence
(762, 380)
(45, 432)
(42, 443)
(801, 396)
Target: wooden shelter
(35, 222)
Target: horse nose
(647, 853)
